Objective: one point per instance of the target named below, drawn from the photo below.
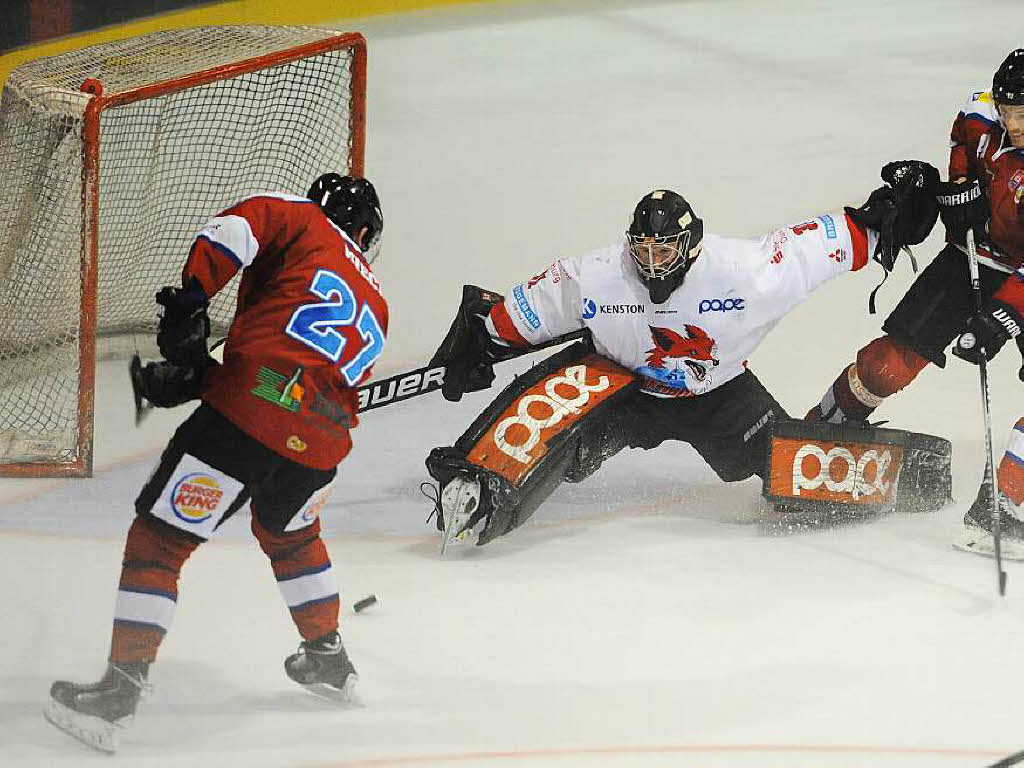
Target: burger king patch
(196, 497)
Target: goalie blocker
(819, 471)
(538, 432)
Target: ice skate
(95, 713)
(322, 667)
(976, 535)
(459, 500)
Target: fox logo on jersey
(681, 362)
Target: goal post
(113, 156)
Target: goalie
(672, 315)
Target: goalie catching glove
(902, 212)
(468, 352)
(184, 325)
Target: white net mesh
(167, 164)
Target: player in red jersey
(272, 426)
(985, 194)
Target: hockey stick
(990, 466)
(1006, 762)
(376, 394)
(420, 381)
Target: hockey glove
(1020, 348)
(963, 206)
(165, 385)
(184, 324)
(903, 212)
(468, 352)
(986, 333)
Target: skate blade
(981, 542)
(461, 512)
(453, 538)
(90, 730)
(345, 695)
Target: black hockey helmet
(664, 238)
(351, 203)
(1008, 82)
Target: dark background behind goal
(33, 21)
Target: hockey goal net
(113, 157)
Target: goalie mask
(352, 204)
(664, 240)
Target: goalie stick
(376, 394)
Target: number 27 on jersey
(316, 325)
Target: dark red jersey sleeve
(973, 121)
(1011, 292)
(231, 241)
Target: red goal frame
(82, 465)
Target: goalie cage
(114, 156)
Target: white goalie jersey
(700, 338)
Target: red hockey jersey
(981, 149)
(309, 325)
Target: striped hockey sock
(305, 577)
(148, 591)
(1011, 469)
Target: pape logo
(851, 477)
(548, 410)
(720, 305)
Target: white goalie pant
(459, 500)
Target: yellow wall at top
(230, 12)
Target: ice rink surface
(640, 618)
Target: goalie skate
(459, 501)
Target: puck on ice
(366, 602)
